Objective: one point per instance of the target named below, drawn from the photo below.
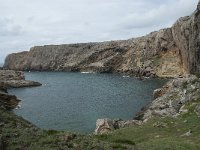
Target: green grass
(156, 134)
(160, 133)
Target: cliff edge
(168, 52)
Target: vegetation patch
(124, 141)
(161, 133)
(118, 146)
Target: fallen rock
(189, 133)
(158, 93)
(104, 126)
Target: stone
(160, 92)
(183, 110)
(104, 126)
(157, 93)
(148, 69)
(189, 133)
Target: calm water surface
(74, 101)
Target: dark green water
(74, 101)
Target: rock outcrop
(8, 101)
(15, 79)
(107, 125)
(12, 79)
(172, 100)
(166, 53)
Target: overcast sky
(26, 23)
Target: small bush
(124, 141)
(52, 132)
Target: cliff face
(12, 79)
(166, 53)
(187, 38)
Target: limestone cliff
(166, 53)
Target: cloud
(163, 15)
(8, 28)
(25, 24)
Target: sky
(27, 23)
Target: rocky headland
(12, 79)
(169, 52)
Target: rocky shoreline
(12, 79)
(169, 101)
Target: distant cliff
(166, 53)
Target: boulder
(104, 126)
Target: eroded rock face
(11, 75)
(172, 98)
(187, 38)
(15, 79)
(12, 79)
(166, 53)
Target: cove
(74, 101)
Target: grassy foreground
(156, 134)
(160, 133)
